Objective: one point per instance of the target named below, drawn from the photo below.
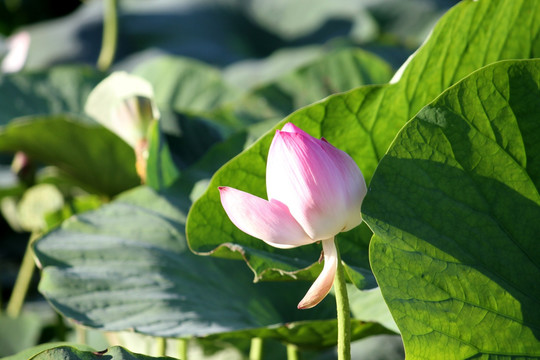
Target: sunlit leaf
(454, 205)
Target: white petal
(270, 221)
(322, 285)
(106, 104)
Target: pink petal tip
(322, 285)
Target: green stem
(255, 351)
(22, 283)
(343, 312)
(161, 343)
(182, 349)
(110, 35)
(292, 352)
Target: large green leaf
(62, 89)
(127, 266)
(363, 123)
(454, 206)
(93, 156)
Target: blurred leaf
(294, 20)
(287, 88)
(454, 205)
(186, 85)
(370, 306)
(317, 334)
(99, 160)
(18, 13)
(150, 28)
(17, 334)
(363, 122)
(189, 138)
(410, 22)
(9, 182)
(61, 89)
(78, 352)
(176, 142)
(127, 266)
(381, 347)
(198, 175)
(33, 351)
(336, 71)
(249, 74)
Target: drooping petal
(321, 185)
(323, 283)
(270, 221)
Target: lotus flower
(124, 104)
(314, 192)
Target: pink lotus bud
(315, 191)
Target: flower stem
(292, 352)
(182, 349)
(343, 312)
(22, 283)
(255, 351)
(110, 35)
(161, 345)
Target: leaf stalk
(255, 351)
(343, 311)
(110, 35)
(22, 283)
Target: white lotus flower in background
(315, 191)
(124, 104)
(18, 45)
